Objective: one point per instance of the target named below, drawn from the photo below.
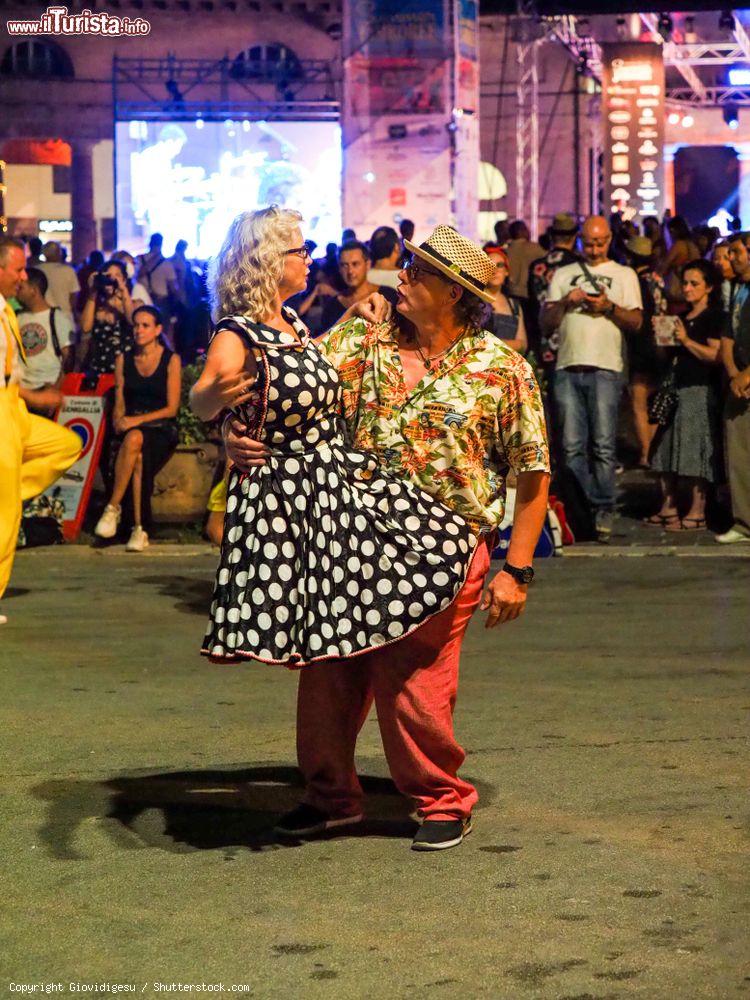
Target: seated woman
(147, 397)
(688, 449)
(506, 321)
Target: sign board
(83, 411)
(633, 109)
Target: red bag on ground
(559, 509)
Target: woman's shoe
(138, 540)
(662, 520)
(689, 524)
(108, 523)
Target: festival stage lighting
(673, 117)
(199, 123)
(739, 76)
(731, 116)
(688, 121)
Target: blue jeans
(587, 404)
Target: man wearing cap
(592, 303)
(34, 451)
(449, 407)
(564, 233)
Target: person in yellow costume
(34, 451)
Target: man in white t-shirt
(61, 278)
(385, 252)
(590, 304)
(46, 333)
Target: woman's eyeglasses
(303, 252)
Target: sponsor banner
(633, 110)
(83, 411)
(400, 168)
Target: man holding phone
(591, 304)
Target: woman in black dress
(106, 319)
(687, 451)
(147, 397)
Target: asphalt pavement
(607, 731)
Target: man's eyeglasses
(303, 252)
(415, 269)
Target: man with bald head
(591, 304)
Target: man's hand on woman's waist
(244, 451)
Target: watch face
(527, 574)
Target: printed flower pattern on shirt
(459, 432)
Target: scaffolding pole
(527, 134)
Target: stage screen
(188, 180)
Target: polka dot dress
(324, 554)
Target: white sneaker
(138, 540)
(3, 619)
(106, 526)
(733, 537)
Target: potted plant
(181, 488)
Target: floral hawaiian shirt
(459, 432)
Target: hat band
(481, 285)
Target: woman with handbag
(147, 397)
(686, 448)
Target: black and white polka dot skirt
(326, 557)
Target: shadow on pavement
(185, 811)
(193, 596)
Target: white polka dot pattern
(325, 554)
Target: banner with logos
(407, 65)
(633, 110)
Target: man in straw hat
(451, 408)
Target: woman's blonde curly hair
(244, 276)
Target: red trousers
(414, 684)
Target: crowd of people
(133, 319)
(653, 315)
(607, 311)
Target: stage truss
(219, 90)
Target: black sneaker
(438, 834)
(306, 820)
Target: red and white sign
(84, 412)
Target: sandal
(661, 520)
(690, 524)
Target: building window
(41, 60)
(267, 63)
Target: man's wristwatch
(523, 574)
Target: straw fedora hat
(457, 258)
